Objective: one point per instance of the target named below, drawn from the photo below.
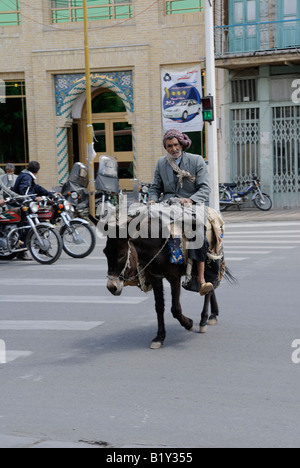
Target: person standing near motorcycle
(25, 183)
(9, 178)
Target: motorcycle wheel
(52, 249)
(263, 204)
(80, 242)
(224, 197)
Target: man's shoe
(24, 257)
(205, 289)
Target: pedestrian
(183, 175)
(9, 178)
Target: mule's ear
(93, 220)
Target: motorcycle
(42, 240)
(144, 193)
(78, 238)
(107, 185)
(230, 197)
(75, 190)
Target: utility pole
(89, 128)
(212, 134)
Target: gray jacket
(165, 180)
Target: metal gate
(245, 134)
(286, 155)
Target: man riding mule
(144, 261)
(183, 175)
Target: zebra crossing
(245, 241)
(69, 285)
(31, 295)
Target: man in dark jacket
(25, 183)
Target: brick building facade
(42, 48)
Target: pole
(89, 128)
(212, 134)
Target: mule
(145, 263)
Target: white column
(212, 135)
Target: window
(174, 7)
(10, 13)
(13, 125)
(244, 90)
(71, 11)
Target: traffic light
(208, 109)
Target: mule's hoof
(191, 329)
(203, 329)
(156, 345)
(212, 321)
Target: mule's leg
(204, 314)
(158, 290)
(176, 310)
(214, 310)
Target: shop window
(71, 11)
(10, 13)
(13, 125)
(174, 7)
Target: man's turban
(181, 137)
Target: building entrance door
(113, 135)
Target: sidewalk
(253, 215)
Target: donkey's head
(122, 260)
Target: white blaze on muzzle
(115, 285)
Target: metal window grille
(286, 154)
(245, 137)
(244, 90)
(174, 7)
(71, 11)
(10, 14)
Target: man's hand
(2, 202)
(186, 201)
(152, 202)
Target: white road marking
(14, 354)
(54, 282)
(62, 325)
(236, 259)
(267, 241)
(73, 299)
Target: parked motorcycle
(230, 197)
(107, 185)
(75, 190)
(42, 240)
(78, 238)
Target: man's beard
(175, 155)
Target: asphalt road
(79, 367)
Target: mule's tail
(229, 277)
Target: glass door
(113, 137)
